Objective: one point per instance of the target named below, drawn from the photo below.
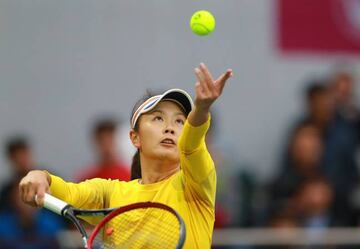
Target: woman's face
(158, 132)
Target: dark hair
(15, 144)
(104, 125)
(135, 164)
(317, 86)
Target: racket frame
(66, 210)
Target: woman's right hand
(35, 183)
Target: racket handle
(54, 204)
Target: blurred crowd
(316, 185)
(25, 227)
(318, 177)
(317, 181)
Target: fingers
(34, 184)
(198, 90)
(207, 77)
(206, 82)
(30, 197)
(220, 82)
(206, 72)
(208, 86)
(201, 79)
(26, 190)
(28, 193)
(22, 190)
(39, 200)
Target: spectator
(313, 204)
(303, 162)
(310, 206)
(22, 226)
(342, 88)
(340, 136)
(313, 201)
(18, 152)
(108, 165)
(19, 155)
(339, 141)
(320, 105)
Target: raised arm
(196, 162)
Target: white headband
(177, 95)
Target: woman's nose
(170, 130)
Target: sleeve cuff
(56, 186)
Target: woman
(172, 162)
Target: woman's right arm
(90, 194)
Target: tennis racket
(139, 225)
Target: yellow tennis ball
(202, 22)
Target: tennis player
(174, 166)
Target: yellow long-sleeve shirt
(191, 191)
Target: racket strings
(140, 228)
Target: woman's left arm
(196, 162)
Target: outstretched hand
(207, 91)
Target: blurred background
(285, 134)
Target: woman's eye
(158, 118)
(180, 121)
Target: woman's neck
(153, 171)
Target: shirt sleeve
(89, 194)
(196, 163)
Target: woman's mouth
(168, 141)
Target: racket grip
(54, 204)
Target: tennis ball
(202, 22)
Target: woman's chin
(171, 156)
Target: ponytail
(136, 166)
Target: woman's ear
(134, 137)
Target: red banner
(327, 26)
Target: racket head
(140, 225)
